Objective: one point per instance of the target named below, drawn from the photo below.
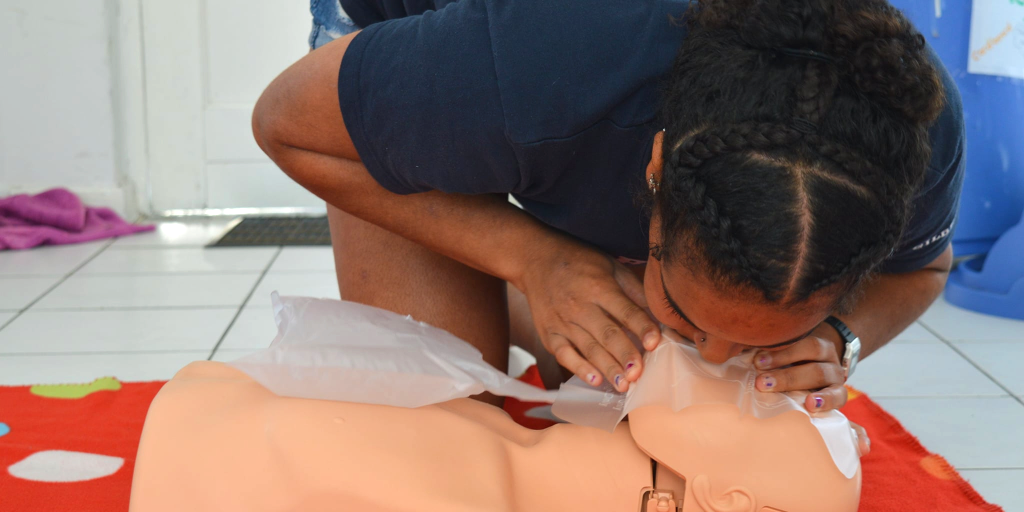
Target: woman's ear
(656, 163)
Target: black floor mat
(254, 231)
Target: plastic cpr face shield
(730, 447)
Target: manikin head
(795, 137)
(730, 464)
(737, 449)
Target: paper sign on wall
(997, 38)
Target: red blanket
(67, 433)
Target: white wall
(57, 115)
(143, 105)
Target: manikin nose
(717, 351)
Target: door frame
(161, 105)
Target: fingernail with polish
(819, 402)
(767, 382)
(630, 365)
(618, 380)
(591, 378)
(764, 360)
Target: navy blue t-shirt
(554, 102)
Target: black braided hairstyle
(796, 133)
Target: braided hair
(795, 138)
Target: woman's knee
(300, 109)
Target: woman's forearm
(890, 303)
(485, 232)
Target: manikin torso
(215, 440)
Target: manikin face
(721, 321)
(728, 467)
(736, 449)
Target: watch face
(851, 356)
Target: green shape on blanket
(76, 391)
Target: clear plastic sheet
(348, 352)
(343, 351)
(676, 376)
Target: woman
(800, 162)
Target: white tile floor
(141, 307)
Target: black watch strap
(843, 330)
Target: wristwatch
(851, 348)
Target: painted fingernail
(764, 361)
(618, 380)
(632, 370)
(767, 382)
(819, 402)
(651, 340)
(591, 378)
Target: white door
(205, 64)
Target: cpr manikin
(216, 439)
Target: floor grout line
(970, 361)
(105, 352)
(244, 302)
(206, 246)
(30, 276)
(199, 273)
(169, 273)
(134, 308)
(193, 247)
(139, 308)
(157, 246)
(176, 273)
(60, 281)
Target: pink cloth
(56, 217)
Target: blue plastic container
(991, 206)
(993, 196)
(993, 284)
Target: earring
(652, 184)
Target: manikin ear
(656, 163)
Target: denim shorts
(329, 22)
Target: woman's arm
(890, 303)
(578, 296)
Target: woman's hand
(585, 305)
(811, 364)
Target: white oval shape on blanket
(65, 466)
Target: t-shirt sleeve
(936, 205)
(421, 102)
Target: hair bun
(877, 48)
(887, 59)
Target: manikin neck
(548, 478)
